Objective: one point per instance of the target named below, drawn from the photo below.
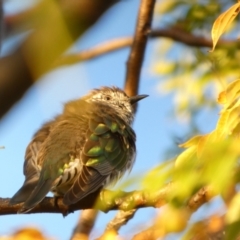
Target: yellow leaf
(110, 235)
(164, 67)
(222, 123)
(228, 120)
(233, 212)
(185, 156)
(173, 219)
(202, 143)
(233, 120)
(222, 97)
(222, 22)
(191, 142)
(156, 177)
(230, 94)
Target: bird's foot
(65, 211)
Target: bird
(87, 147)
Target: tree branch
(136, 56)
(94, 52)
(107, 200)
(179, 35)
(121, 218)
(85, 224)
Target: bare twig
(85, 224)
(189, 39)
(135, 59)
(94, 52)
(200, 198)
(121, 218)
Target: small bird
(88, 146)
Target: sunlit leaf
(109, 235)
(191, 142)
(223, 21)
(217, 162)
(233, 213)
(229, 119)
(158, 176)
(233, 119)
(185, 156)
(221, 129)
(163, 67)
(202, 142)
(233, 90)
(27, 233)
(233, 230)
(173, 219)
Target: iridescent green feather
(95, 151)
(100, 129)
(111, 145)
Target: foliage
(211, 159)
(192, 74)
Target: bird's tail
(40, 191)
(25, 191)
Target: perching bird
(88, 146)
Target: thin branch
(204, 195)
(85, 224)
(136, 57)
(121, 218)
(94, 52)
(179, 35)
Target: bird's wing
(31, 169)
(105, 153)
(56, 151)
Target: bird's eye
(107, 98)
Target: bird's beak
(137, 98)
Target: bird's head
(117, 99)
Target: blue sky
(45, 99)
